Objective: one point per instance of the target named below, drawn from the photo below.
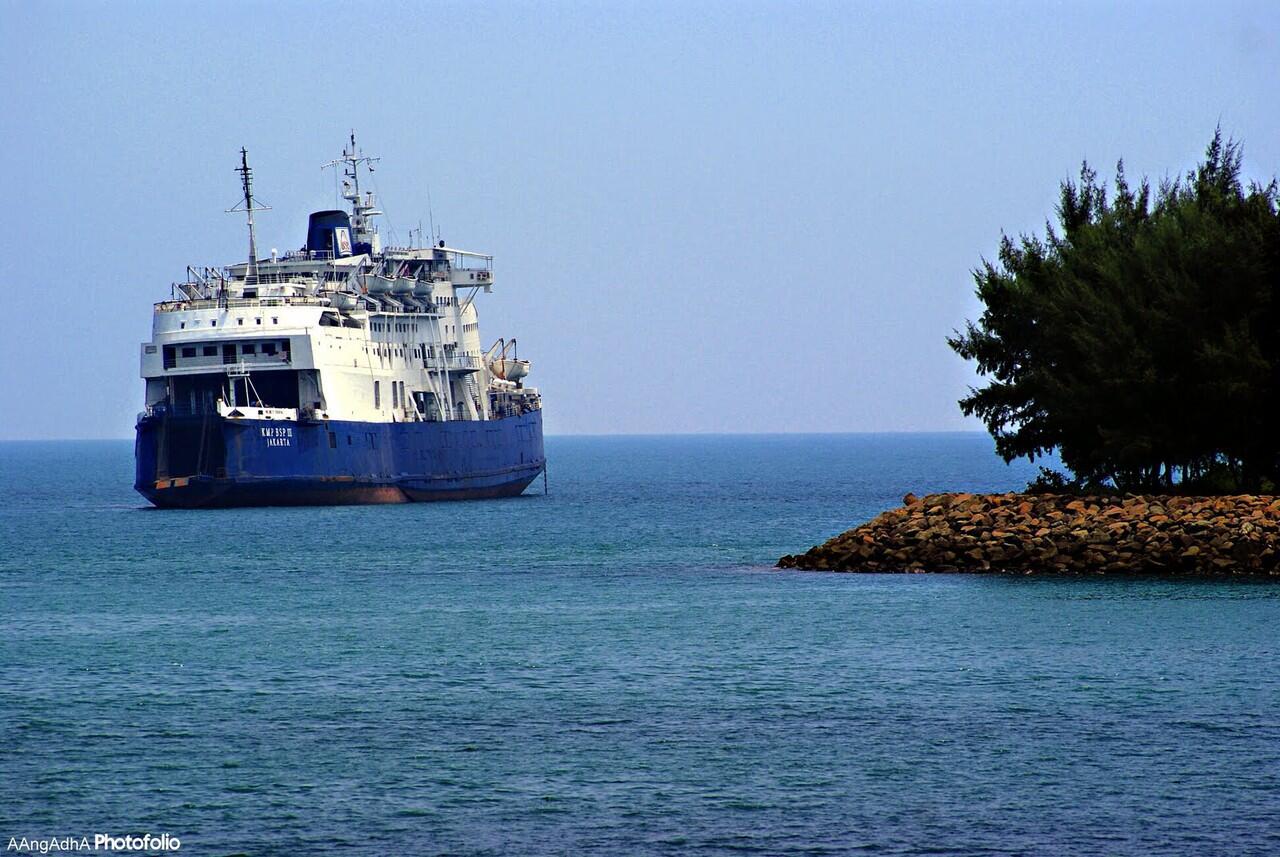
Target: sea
(611, 666)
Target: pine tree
(1140, 338)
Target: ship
(342, 372)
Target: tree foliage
(1140, 338)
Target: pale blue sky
(706, 216)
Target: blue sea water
(611, 668)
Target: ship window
(150, 349)
(348, 440)
(248, 348)
(268, 348)
(213, 322)
(275, 320)
(333, 440)
(182, 325)
(240, 321)
(377, 395)
(211, 351)
(189, 352)
(395, 394)
(169, 359)
(257, 321)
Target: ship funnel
(329, 232)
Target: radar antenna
(246, 181)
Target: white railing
(239, 303)
(460, 361)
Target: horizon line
(866, 432)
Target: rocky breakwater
(1048, 533)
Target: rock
(1061, 534)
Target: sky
(706, 217)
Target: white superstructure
(343, 329)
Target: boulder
(1027, 534)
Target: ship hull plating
(197, 462)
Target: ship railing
(239, 303)
(464, 260)
(243, 364)
(452, 362)
(503, 411)
(515, 409)
(300, 278)
(470, 261)
(460, 361)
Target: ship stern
(179, 460)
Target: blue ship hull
(205, 461)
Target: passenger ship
(343, 372)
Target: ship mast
(246, 182)
(362, 207)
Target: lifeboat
(507, 369)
